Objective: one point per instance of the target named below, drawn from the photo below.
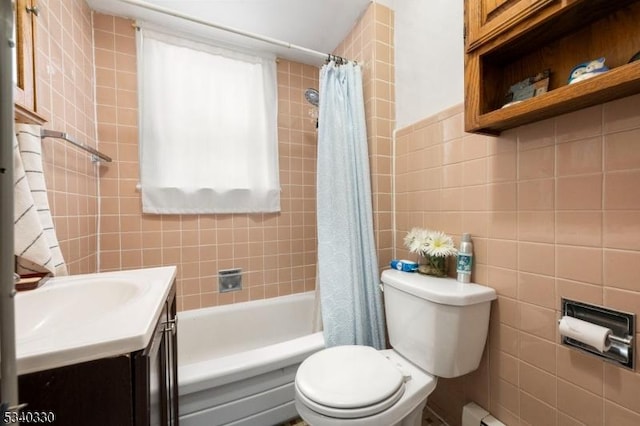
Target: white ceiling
(314, 24)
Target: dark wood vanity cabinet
(137, 389)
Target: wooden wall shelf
(616, 83)
(557, 38)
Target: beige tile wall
(552, 206)
(277, 252)
(370, 43)
(64, 85)
(554, 210)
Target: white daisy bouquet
(433, 247)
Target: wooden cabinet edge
(25, 115)
(472, 92)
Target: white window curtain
(208, 128)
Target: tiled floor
(429, 419)
(296, 422)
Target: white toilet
(437, 328)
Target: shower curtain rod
(146, 5)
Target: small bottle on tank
(465, 259)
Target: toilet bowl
(437, 328)
(359, 385)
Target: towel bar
(97, 155)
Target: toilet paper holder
(621, 324)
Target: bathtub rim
(219, 371)
(192, 313)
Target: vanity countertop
(80, 318)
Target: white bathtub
(237, 363)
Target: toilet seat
(349, 382)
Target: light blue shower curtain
(348, 278)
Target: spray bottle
(465, 259)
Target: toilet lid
(349, 381)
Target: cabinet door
(488, 18)
(24, 88)
(156, 369)
(150, 380)
(96, 393)
(171, 340)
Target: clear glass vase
(432, 265)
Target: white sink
(85, 317)
(74, 303)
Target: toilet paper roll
(586, 332)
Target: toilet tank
(438, 324)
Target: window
(208, 138)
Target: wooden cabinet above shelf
(490, 18)
(581, 32)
